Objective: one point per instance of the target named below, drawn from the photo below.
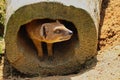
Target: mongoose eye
(57, 31)
(44, 32)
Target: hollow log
(81, 16)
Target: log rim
(14, 58)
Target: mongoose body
(47, 32)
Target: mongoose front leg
(38, 47)
(50, 51)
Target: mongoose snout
(70, 32)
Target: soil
(110, 24)
(106, 65)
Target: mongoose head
(55, 32)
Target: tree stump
(81, 16)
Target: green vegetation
(2, 18)
(1, 45)
(2, 11)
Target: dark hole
(63, 51)
(44, 47)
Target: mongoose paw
(50, 58)
(41, 58)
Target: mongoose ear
(58, 21)
(43, 31)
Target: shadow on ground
(11, 73)
(102, 15)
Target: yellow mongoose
(47, 32)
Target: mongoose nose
(70, 33)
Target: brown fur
(47, 32)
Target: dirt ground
(110, 24)
(106, 66)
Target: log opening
(63, 51)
